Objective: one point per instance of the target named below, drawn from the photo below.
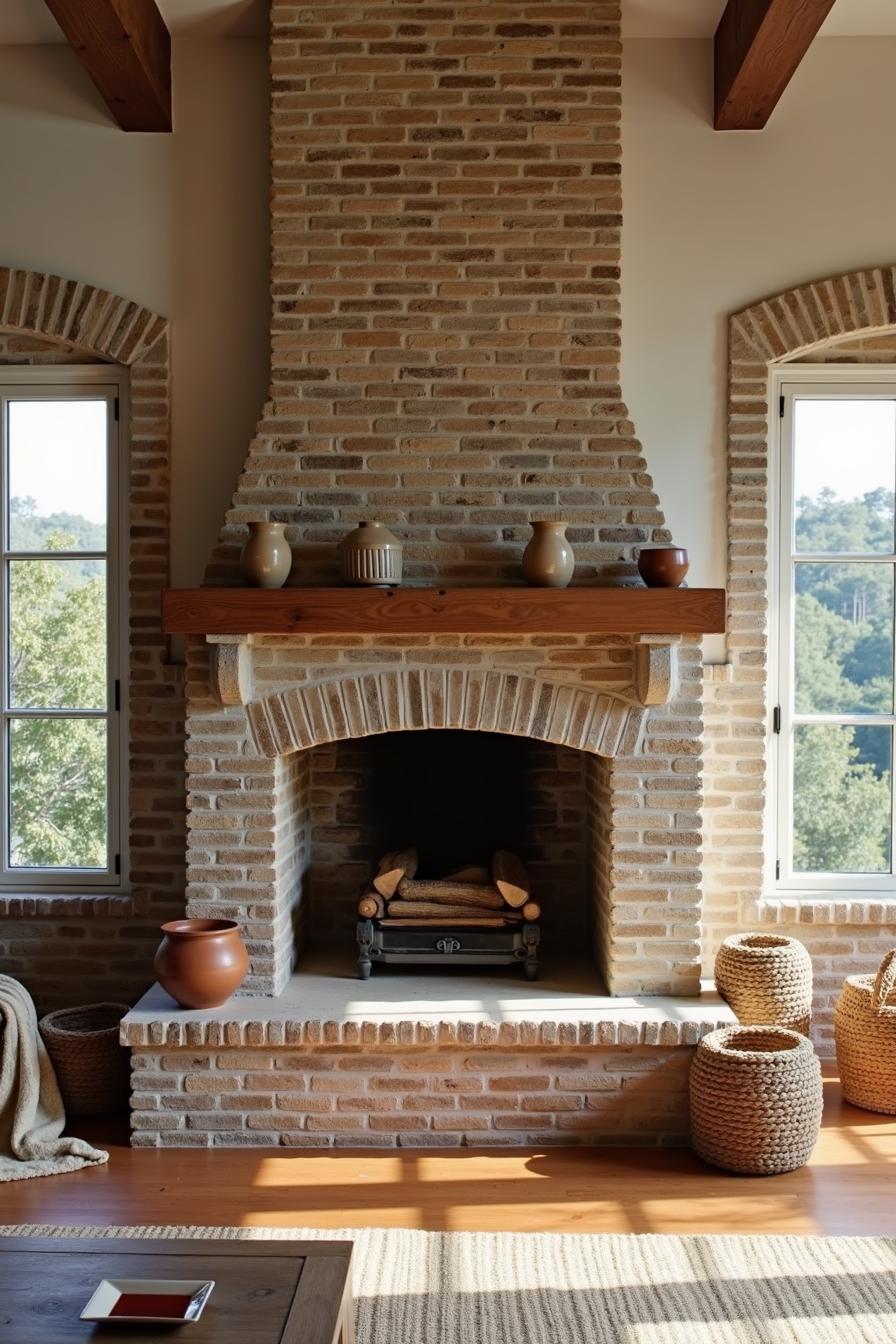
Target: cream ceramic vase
(548, 560)
(371, 556)
(266, 558)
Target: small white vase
(548, 560)
(266, 558)
(371, 556)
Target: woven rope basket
(865, 1036)
(755, 1099)
(767, 979)
(91, 1067)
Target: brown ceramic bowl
(663, 566)
(201, 961)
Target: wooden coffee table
(266, 1292)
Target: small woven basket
(755, 1099)
(91, 1067)
(865, 1036)
(767, 979)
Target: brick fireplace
(446, 218)
(251, 778)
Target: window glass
(57, 475)
(843, 638)
(58, 807)
(844, 465)
(835, 745)
(842, 806)
(59, 635)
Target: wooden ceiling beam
(125, 47)
(758, 46)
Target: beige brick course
(609, 1094)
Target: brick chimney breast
(445, 236)
(445, 287)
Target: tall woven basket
(767, 979)
(755, 1099)
(865, 1036)
(91, 1067)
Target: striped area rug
(509, 1288)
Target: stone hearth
(418, 1060)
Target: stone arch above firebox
(475, 699)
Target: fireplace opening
(455, 797)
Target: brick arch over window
(772, 332)
(466, 698)
(813, 317)
(68, 315)
(799, 320)
(102, 324)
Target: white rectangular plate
(100, 1306)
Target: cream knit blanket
(32, 1116)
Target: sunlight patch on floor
(351, 1216)
(741, 1211)
(283, 1172)
(389, 1168)
(869, 1147)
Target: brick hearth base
(416, 1061)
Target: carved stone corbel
(231, 672)
(656, 668)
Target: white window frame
(69, 382)
(788, 381)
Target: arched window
(808, 376)
(63, 591)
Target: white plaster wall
(177, 222)
(715, 221)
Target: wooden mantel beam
(443, 611)
(758, 46)
(125, 47)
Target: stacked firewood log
(471, 897)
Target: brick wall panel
(68, 948)
(410, 1098)
(848, 319)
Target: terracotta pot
(371, 556)
(266, 557)
(201, 961)
(663, 566)
(548, 560)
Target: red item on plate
(170, 1305)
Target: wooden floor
(847, 1188)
